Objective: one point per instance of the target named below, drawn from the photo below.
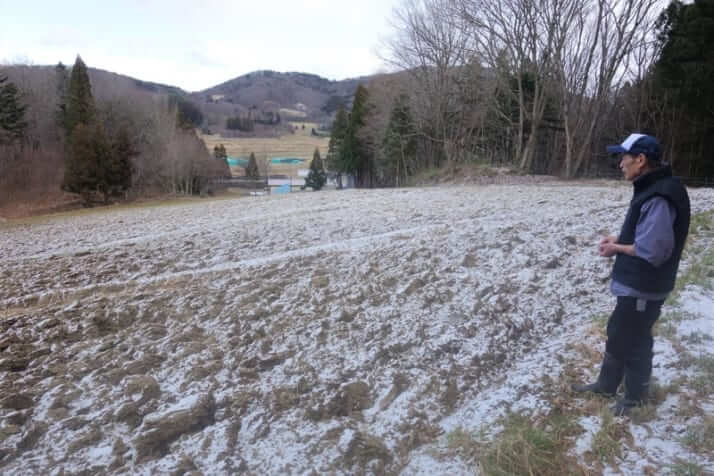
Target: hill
(262, 96)
(166, 151)
(297, 95)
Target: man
(647, 254)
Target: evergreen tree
(399, 142)
(354, 156)
(245, 124)
(337, 137)
(12, 113)
(686, 64)
(87, 148)
(317, 177)
(80, 103)
(62, 79)
(251, 169)
(188, 115)
(219, 152)
(683, 82)
(120, 168)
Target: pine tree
(12, 113)
(103, 161)
(354, 156)
(399, 142)
(188, 115)
(87, 147)
(337, 137)
(317, 177)
(251, 170)
(683, 83)
(219, 152)
(80, 103)
(62, 80)
(119, 170)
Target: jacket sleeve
(654, 232)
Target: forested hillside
(262, 102)
(96, 135)
(503, 84)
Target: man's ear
(641, 159)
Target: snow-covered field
(334, 332)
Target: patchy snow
(591, 425)
(701, 307)
(334, 332)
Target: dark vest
(636, 272)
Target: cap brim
(615, 149)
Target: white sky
(198, 44)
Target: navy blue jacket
(634, 271)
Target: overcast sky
(200, 43)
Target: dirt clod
(20, 401)
(365, 448)
(159, 431)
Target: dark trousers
(629, 345)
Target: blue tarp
(243, 161)
(286, 160)
(237, 161)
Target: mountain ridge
(296, 96)
(303, 95)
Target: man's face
(632, 166)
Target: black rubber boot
(624, 406)
(611, 373)
(637, 382)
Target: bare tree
(606, 42)
(519, 41)
(432, 49)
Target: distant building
(343, 180)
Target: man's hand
(608, 247)
(604, 248)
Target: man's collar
(647, 179)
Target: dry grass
(699, 250)
(657, 395)
(686, 468)
(688, 407)
(700, 438)
(287, 112)
(600, 320)
(591, 356)
(36, 202)
(703, 382)
(463, 442)
(643, 414)
(665, 329)
(166, 201)
(304, 128)
(460, 173)
(300, 145)
(531, 447)
(607, 442)
(697, 338)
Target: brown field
(286, 112)
(300, 145)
